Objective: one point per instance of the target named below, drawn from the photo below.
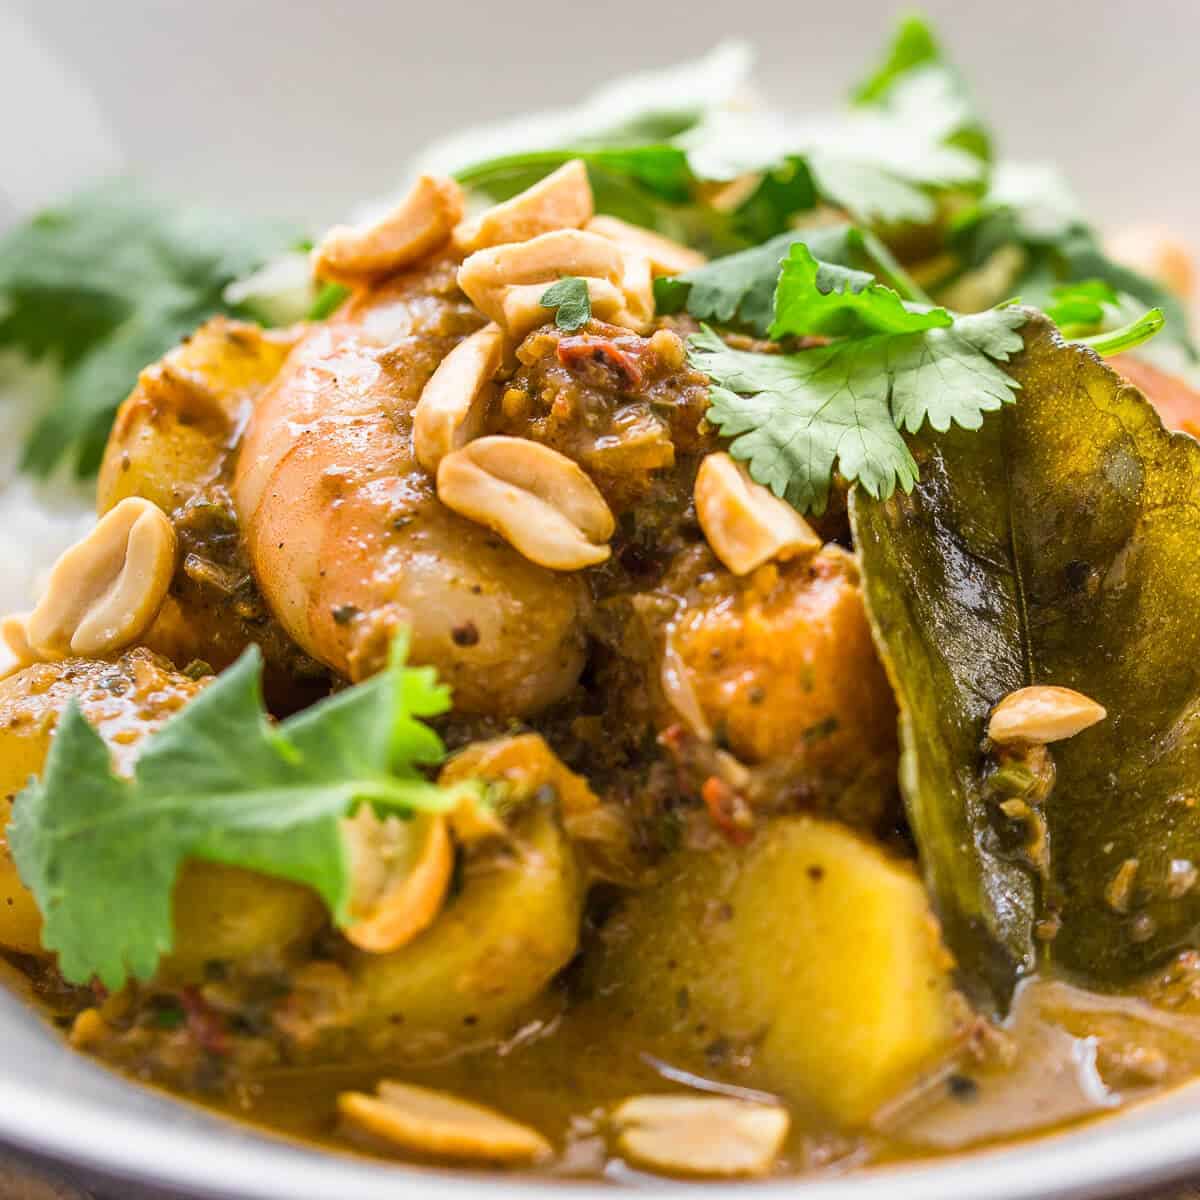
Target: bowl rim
(221, 1158)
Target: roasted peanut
(438, 1124)
(1042, 714)
(401, 871)
(538, 500)
(506, 282)
(453, 405)
(521, 306)
(712, 1136)
(563, 200)
(637, 284)
(745, 523)
(416, 227)
(106, 590)
(666, 257)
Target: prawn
(345, 533)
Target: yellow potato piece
(811, 946)
(221, 913)
(489, 955)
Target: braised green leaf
(106, 284)
(795, 418)
(217, 782)
(1058, 545)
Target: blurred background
(301, 108)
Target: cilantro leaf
(795, 418)
(881, 167)
(914, 129)
(736, 290)
(645, 108)
(949, 376)
(919, 86)
(107, 283)
(739, 289)
(824, 298)
(217, 782)
(912, 133)
(1032, 208)
(913, 46)
(1080, 307)
(570, 297)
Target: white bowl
(56, 1102)
(302, 109)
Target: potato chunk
(488, 956)
(173, 433)
(174, 441)
(810, 947)
(221, 913)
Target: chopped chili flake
(729, 812)
(205, 1026)
(576, 352)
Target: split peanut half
(401, 872)
(745, 523)
(538, 500)
(453, 405)
(105, 591)
(441, 1125)
(1042, 714)
(712, 1136)
(666, 257)
(420, 224)
(506, 282)
(563, 200)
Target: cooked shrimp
(345, 532)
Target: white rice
(38, 520)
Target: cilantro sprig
(796, 418)
(1031, 209)
(217, 782)
(107, 283)
(909, 135)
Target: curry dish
(665, 670)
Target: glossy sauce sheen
(1070, 1056)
